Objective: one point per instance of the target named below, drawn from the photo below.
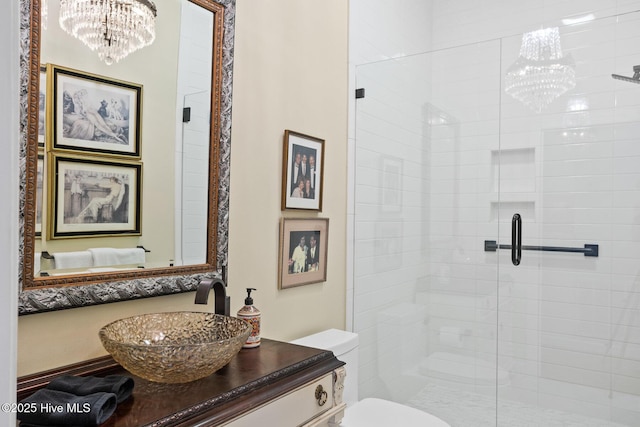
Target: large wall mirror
(125, 164)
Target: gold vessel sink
(174, 347)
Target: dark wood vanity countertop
(252, 378)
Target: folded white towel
(79, 259)
(115, 256)
(105, 269)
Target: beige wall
(290, 73)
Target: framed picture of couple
(303, 251)
(302, 171)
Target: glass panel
(444, 158)
(426, 198)
(195, 177)
(193, 144)
(569, 324)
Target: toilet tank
(344, 346)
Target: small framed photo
(93, 113)
(302, 171)
(92, 197)
(303, 251)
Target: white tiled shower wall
(568, 326)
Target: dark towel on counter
(119, 385)
(57, 408)
(36, 425)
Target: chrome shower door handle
(516, 239)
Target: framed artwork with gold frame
(93, 197)
(92, 113)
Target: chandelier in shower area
(113, 28)
(541, 73)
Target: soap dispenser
(252, 315)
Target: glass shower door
(193, 157)
(427, 180)
(451, 319)
(569, 321)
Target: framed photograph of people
(90, 197)
(302, 171)
(303, 251)
(93, 113)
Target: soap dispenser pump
(252, 315)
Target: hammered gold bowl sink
(174, 347)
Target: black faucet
(222, 302)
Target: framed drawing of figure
(91, 197)
(93, 113)
(302, 171)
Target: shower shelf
(588, 250)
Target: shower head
(634, 79)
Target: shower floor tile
(467, 409)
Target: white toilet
(370, 412)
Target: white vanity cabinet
(311, 405)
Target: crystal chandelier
(541, 73)
(113, 28)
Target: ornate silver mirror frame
(91, 289)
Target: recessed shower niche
(513, 176)
(514, 170)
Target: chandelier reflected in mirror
(112, 28)
(541, 73)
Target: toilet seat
(372, 412)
